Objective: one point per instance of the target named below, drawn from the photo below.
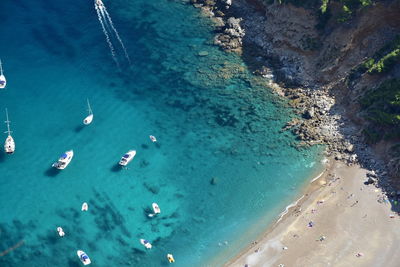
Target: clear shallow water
(210, 116)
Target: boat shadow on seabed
(52, 172)
(116, 168)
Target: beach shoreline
(316, 230)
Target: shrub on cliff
(382, 106)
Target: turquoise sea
(221, 169)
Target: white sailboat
(89, 118)
(9, 144)
(3, 81)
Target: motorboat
(83, 257)
(60, 231)
(85, 206)
(98, 3)
(127, 157)
(64, 160)
(146, 243)
(153, 138)
(170, 258)
(88, 120)
(9, 144)
(156, 210)
(3, 81)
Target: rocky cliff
(316, 51)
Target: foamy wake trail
(106, 15)
(98, 10)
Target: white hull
(83, 257)
(64, 160)
(88, 119)
(170, 258)
(156, 208)
(60, 231)
(85, 206)
(9, 145)
(128, 157)
(146, 243)
(3, 82)
(153, 138)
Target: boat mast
(1, 68)
(89, 108)
(8, 124)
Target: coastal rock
(310, 113)
(370, 181)
(350, 148)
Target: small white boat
(98, 3)
(83, 257)
(9, 144)
(85, 206)
(153, 138)
(127, 157)
(156, 210)
(3, 81)
(60, 231)
(89, 118)
(170, 258)
(64, 160)
(146, 243)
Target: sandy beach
(339, 222)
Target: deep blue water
(211, 117)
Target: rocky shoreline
(323, 118)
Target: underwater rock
(144, 163)
(203, 53)
(152, 188)
(214, 181)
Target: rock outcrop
(311, 67)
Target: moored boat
(9, 144)
(156, 208)
(170, 258)
(85, 206)
(89, 118)
(83, 257)
(153, 138)
(60, 231)
(146, 243)
(3, 81)
(64, 160)
(128, 157)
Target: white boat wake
(109, 30)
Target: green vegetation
(347, 8)
(381, 62)
(384, 59)
(382, 107)
(324, 6)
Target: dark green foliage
(322, 7)
(384, 59)
(383, 110)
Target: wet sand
(339, 222)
